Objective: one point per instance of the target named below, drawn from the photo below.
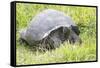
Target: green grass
(65, 53)
(84, 17)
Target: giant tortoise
(49, 29)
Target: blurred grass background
(84, 17)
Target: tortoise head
(75, 29)
(74, 38)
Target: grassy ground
(84, 17)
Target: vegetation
(84, 17)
